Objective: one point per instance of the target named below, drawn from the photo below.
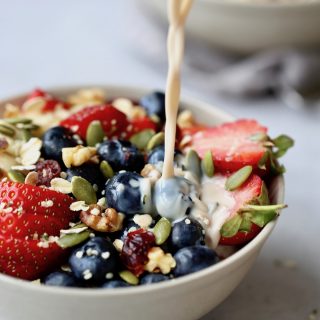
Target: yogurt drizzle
(177, 13)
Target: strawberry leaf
(263, 199)
(231, 227)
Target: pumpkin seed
(16, 176)
(128, 277)
(83, 190)
(259, 137)
(25, 135)
(27, 126)
(141, 139)
(106, 169)
(162, 230)
(156, 140)
(238, 178)
(207, 164)
(95, 133)
(18, 120)
(193, 163)
(73, 239)
(6, 130)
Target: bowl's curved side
(189, 297)
(247, 27)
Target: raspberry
(47, 170)
(135, 249)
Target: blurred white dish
(186, 298)
(250, 25)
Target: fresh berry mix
(82, 203)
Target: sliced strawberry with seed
(26, 210)
(231, 144)
(113, 121)
(239, 215)
(28, 259)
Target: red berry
(135, 250)
(47, 170)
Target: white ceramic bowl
(245, 26)
(189, 297)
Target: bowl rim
(116, 292)
(264, 5)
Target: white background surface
(49, 43)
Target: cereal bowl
(188, 297)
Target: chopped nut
(118, 244)
(185, 119)
(77, 156)
(79, 206)
(108, 221)
(35, 104)
(30, 152)
(143, 220)
(31, 178)
(11, 111)
(149, 171)
(126, 106)
(88, 97)
(61, 185)
(159, 261)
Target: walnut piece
(77, 156)
(108, 221)
(149, 171)
(159, 261)
(185, 119)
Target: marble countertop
(86, 42)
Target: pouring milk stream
(176, 195)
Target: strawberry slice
(232, 144)
(27, 210)
(239, 215)
(113, 121)
(51, 103)
(29, 259)
(141, 124)
(241, 237)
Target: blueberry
(154, 104)
(115, 284)
(88, 171)
(153, 278)
(156, 155)
(186, 232)
(192, 259)
(54, 140)
(94, 260)
(129, 193)
(61, 279)
(121, 155)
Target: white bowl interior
(174, 299)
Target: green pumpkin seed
(259, 137)
(73, 239)
(95, 133)
(106, 169)
(207, 164)
(16, 176)
(6, 130)
(238, 178)
(193, 163)
(129, 277)
(83, 190)
(18, 120)
(156, 140)
(141, 139)
(162, 230)
(27, 126)
(25, 135)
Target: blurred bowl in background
(246, 26)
